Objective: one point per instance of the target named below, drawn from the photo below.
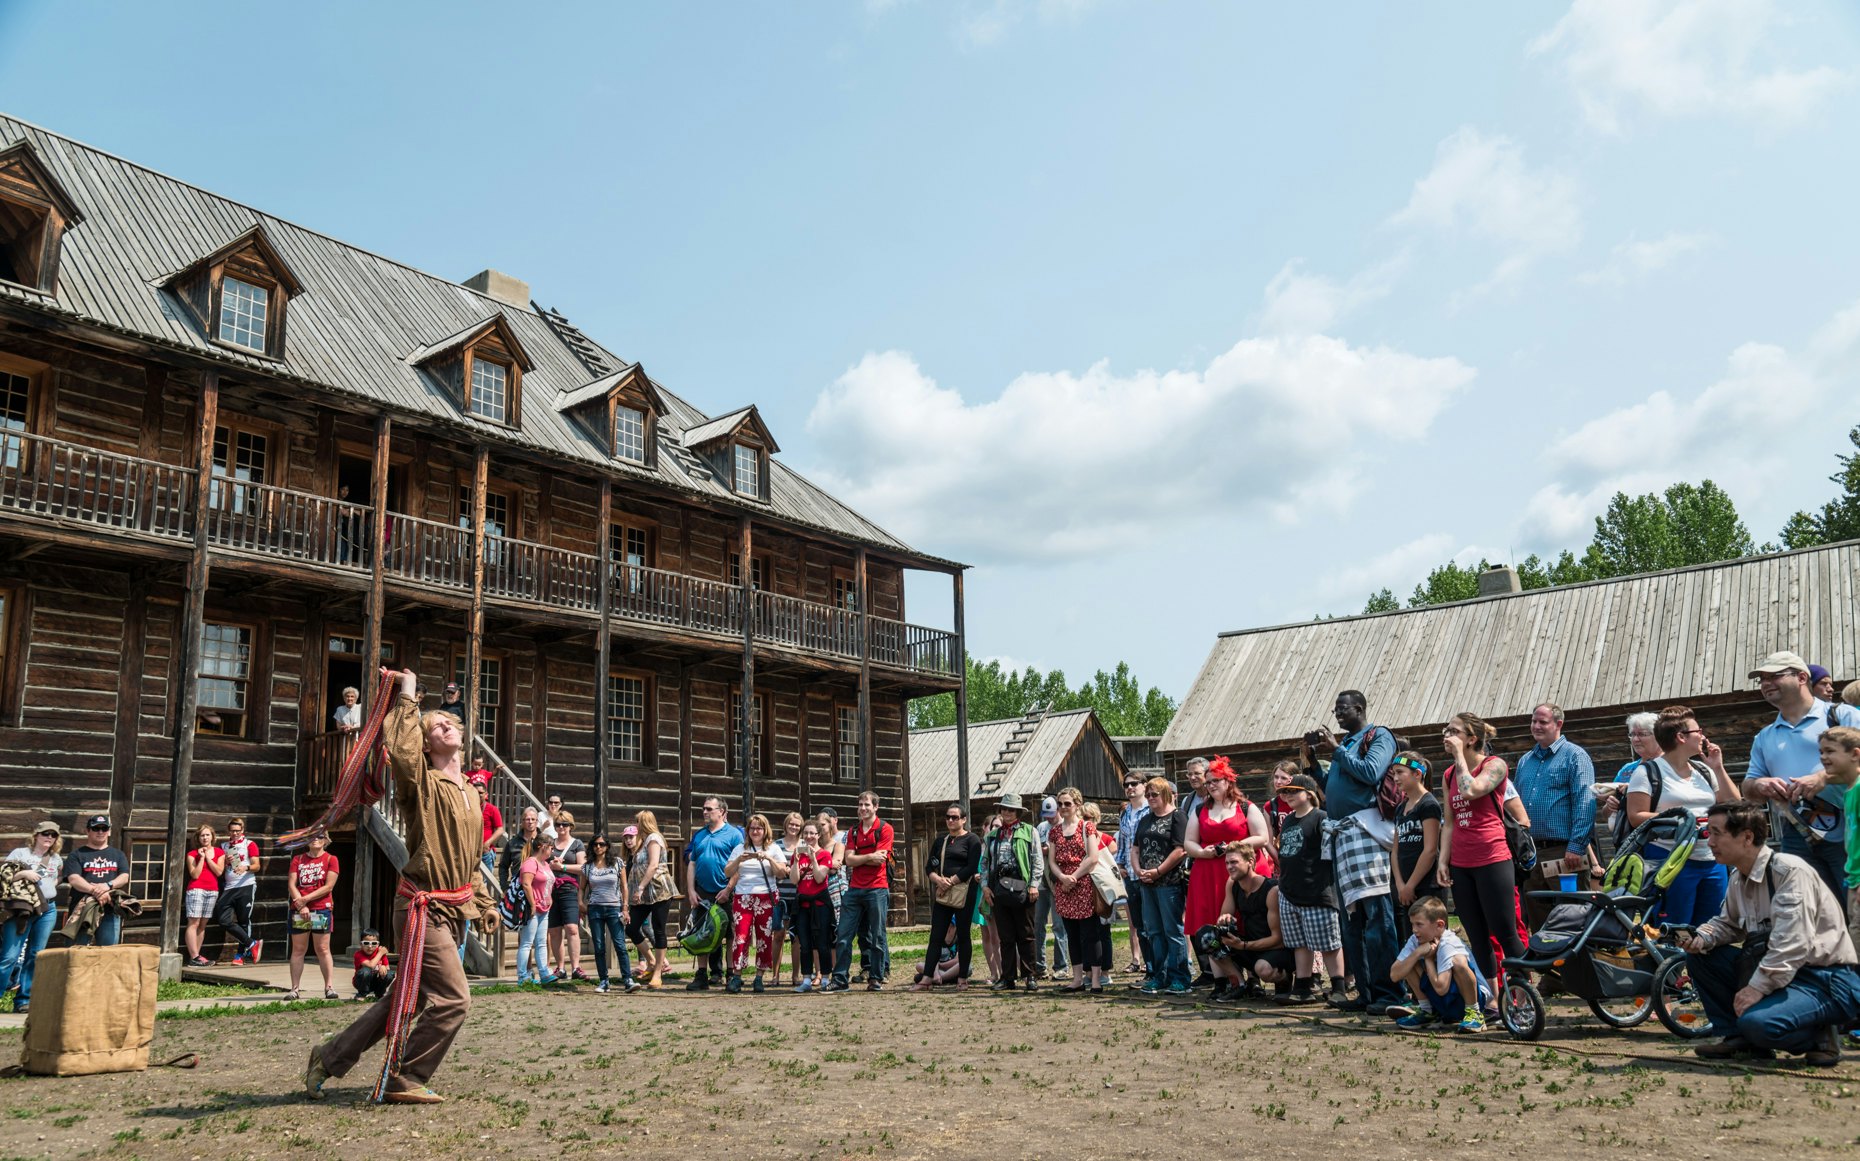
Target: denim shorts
(199, 902)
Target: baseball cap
(630, 832)
(1816, 673)
(47, 827)
(452, 686)
(1049, 807)
(1780, 662)
(98, 822)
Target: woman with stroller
(1475, 859)
(1689, 772)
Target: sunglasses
(952, 818)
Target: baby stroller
(1604, 949)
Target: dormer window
(629, 433)
(34, 215)
(239, 293)
(243, 310)
(748, 478)
(490, 390)
(481, 368)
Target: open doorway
(343, 670)
(356, 475)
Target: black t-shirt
(1304, 877)
(96, 866)
(956, 858)
(1157, 836)
(567, 881)
(1410, 835)
(1250, 909)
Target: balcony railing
(267, 520)
(521, 571)
(806, 625)
(325, 754)
(57, 480)
(427, 552)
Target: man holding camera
(1791, 985)
(1357, 762)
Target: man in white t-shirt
(238, 893)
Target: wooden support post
(745, 725)
(603, 650)
(539, 718)
(474, 626)
(128, 704)
(374, 536)
(962, 700)
(193, 616)
(865, 673)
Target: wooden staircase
(1011, 751)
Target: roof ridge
(220, 197)
(1732, 562)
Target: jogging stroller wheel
(1521, 1007)
(1624, 1011)
(1676, 1000)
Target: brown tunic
(443, 818)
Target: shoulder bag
(1107, 884)
(955, 896)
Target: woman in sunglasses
(954, 862)
(604, 891)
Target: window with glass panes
(148, 869)
(846, 743)
(845, 592)
(626, 718)
(15, 398)
(757, 752)
(496, 512)
(243, 310)
(490, 694)
(238, 455)
(748, 470)
(630, 433)
(225, 673)
(758, 570)
(490, 390)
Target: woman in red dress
(1072, 847)
(1224, 820)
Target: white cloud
(1301, 304)
(1634, 259)
(983, 26)
(1071, 466)
(1746, 425)
(1679, 58)
(1397, 570)
(1480, 186)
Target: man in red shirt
(493, 821)
(867, 899)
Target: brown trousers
(442, 1003)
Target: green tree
(1381, 602)
(1690, 524)
(1123, 706)
(1839, 518)
(1566, 569)
(1449, 582)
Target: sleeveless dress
(1207, 878)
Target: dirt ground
(943, 1076)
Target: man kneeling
(1439, 972)
(1791, 986)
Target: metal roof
(933, 755)
(1643, 640)
(353, 326)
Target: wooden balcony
(67, 484)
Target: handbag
(955, 896)
(1108, 888)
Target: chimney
(1498, 580)
(505, 289)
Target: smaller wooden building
(1030, 756)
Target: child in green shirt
(1840, 757)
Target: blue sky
(1168, 318)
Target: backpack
(513, 906)
(1389, 796)
(1656, 782)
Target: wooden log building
(240, 459)
(1601, 650)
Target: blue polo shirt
(708, 853)
(1788, 752)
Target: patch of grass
(189, 990)
(217, 1010)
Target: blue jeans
(109, 932)
(533, 944)
(1369, 948)
(1042, 921)
(1785, 1020)
(1696, 892)
(862, 911)
(19, 951)
(1828, 858)
(604, 918)
(1165, 947)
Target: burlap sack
(93, 1010)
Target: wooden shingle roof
(1642, 641)
(354, 323)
